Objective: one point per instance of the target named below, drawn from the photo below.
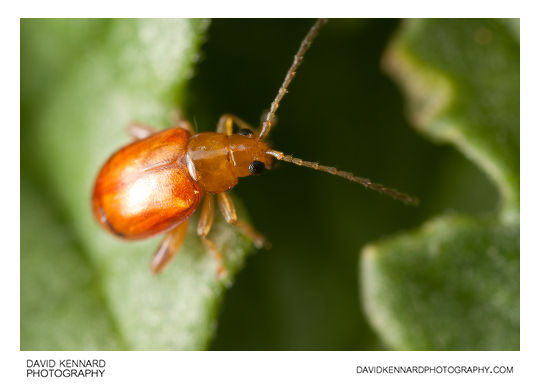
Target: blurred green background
(342, 109)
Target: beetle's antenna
(346, 175)
(306, 43)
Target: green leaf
(454, 283)
(82, 82)
(60, 291)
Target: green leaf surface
(82, 82)
(454, 283)
(58, 284)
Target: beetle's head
(248, 154)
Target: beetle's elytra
(143, 190)
(154, 184)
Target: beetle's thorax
(216, 161)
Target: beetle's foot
(221, 272)
(258, 239)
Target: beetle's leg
(169, 247)
(140, 131)
(225, 124)
(226, 206)
(179, 121)
(205, 223)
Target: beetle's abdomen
(145, 187)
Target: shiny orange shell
(145, 188)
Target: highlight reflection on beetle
(155, 184)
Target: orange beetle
(153, 185)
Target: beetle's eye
(245, 132)
(256, 167)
